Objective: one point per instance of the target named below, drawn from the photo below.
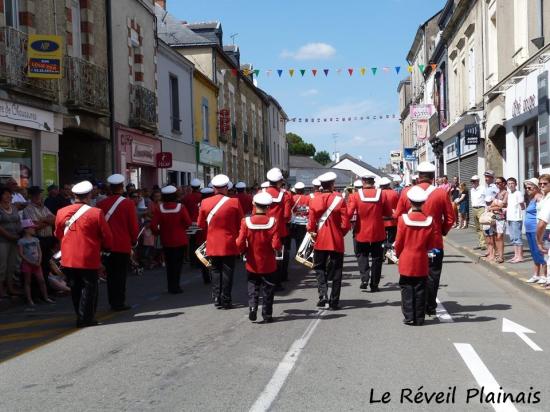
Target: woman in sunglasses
(499, 209)
(534, 196)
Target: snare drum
(305, 251)
(200, 253)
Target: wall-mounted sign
(44, 56)
(471, 134)
(209, 155)
(143, 153)
(421, 111)
(395, 156)
(544, 134)
(224, 120)
(409, 154)
(164, 160)
(26, 116)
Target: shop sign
(543, 132)
(225, 121)
(26, 116)
(143, 153)
(164, 160)
(471, 134)
(49, 169)
(409, 154)
(44, 55)
(520, 106)
(421, 111)
(395, 156)
(210, 155)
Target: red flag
(314, 71)
(350, 71)
(234, 72)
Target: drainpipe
(108, 18)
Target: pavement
(180, 353)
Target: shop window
(204, 119)
(11, 11)
(172, 177)
(175, 104)
(16, 160)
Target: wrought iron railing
(13, 67)
(87, 86)
(143, 108)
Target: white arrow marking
(512, 327)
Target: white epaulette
(416, 223)
(255, 226)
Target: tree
(297, 146)
(322, 157)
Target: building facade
(276, 143)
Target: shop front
(209, 160)
(29, 146)
(137, 157)
(184, 167)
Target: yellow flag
(363, 70)
(410, 69)
(291, 72)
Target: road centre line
(274, 386)
(482, 375)
(442, 314)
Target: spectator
(534, 197)
(59, 201)
(17, 198)
(543, 223)
(491, 188)
(477, 197)
(463, 203)
(498, 207)
(50, 201)
(489, 232)
(514, 218)
(444, 183)
(454, 193)
(10, 227)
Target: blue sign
(408, 154)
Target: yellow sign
(45, 56)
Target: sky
(321, 34)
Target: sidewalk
(466, 241)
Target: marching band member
(120, 213)
(316, 187)
(220, 216)
(328, 224)
(357, 185)
(416, 231)
(200, 236)
(83, 233)
(300, 212)
(439, 207)
(390, 224)
(258, 240)
(191, 202)
(371, 206)
(245, 199)
(264, 186)
(281, 211)
(171, 221)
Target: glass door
(531, 156)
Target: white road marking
(274, 386)
(482, 375)
(442, 313)
(512, 327)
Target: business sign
(164, 160)
(209, 155)
(143, 153)
(543, 132)
(224, 120)
(422, 111)
(422, 130)
(471, 134)
(395, 156)
(409, 154)
(26, 116)
(44, 56)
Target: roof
(175, 32)
(303, 162)
(360, 163)
(306, 175)
(418, 37)
(207, 25)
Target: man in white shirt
(17, 198)
(514, 218)
(477, 197)
(491, 188)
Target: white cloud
(311, 51)
(309, 93)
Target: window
(172, 177)
(244, 116)
(232, 106)
(11, 10)
(521, 40)
(492, 59)
(76, 29)
(471, 78)
(16, 160)
(204, 119)
(175, 104)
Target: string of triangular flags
(342, 119)
(362, 71)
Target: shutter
(468, 168)
(452, 169)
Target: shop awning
(456, 127)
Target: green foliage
(297, 146)
(322, 157)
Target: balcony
(13, 67)
(87, 86)
(143, 108)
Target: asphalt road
(180, 353)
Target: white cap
(384, 181)
(368, 175)
(327, 177)
(275, 175)
(534, 181)
(426, 167)
(358, 183)
(207, 191)
(489, 198)
(299, 186)
(474, 177)
(116, 179)
(262, 199)
(397, 179)
(265, 185)
(230, 185)
(168, 190)
(417, 194)
(220, 181)
(210, 185)
(195, 183)
(240, 185)
(414, 177)
(82, 188)
(316, 182)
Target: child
(258, 240)
(31, 256)
(415, 230)
(56, 277)
(489, 231)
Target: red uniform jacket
(331, 235)
(300, 206)
(259, 244)
(371, 206)
(438, 206)
(170, 221)
(191, 201)
(393, 198)
(223, 228)
(280, 209)
(245, 200)
(81, 247)
(123, 223)
(416, 231)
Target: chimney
(161, 3)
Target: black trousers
(298, 232)
(413, 298)
(282, 265)
(46, 246)
(173, 257)
(264, 283)
(221, 272)
(370, 258)
(391, 232)
(328, 266)
(436, 266)
(116, 265)
(84, 288)
(192, 247)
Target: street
(180, 353)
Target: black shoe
(363, 286)
(334, 306)
(374, 289)
(227, 305)
(217, 303)
(120, 308)
(253, 314)
(430, 312)
(419, 322)
(82, 324)
(322, 303)
(268, 319)
(408, 322)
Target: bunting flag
(386, 69)
(314, 71)
(397, 69)
(279, 72)
(256, 72)
(350, 71)
(234, 72)
(362, 70)
(303, 71)
(410, 69)
(326, 72)
(291, 72)
(269, 72)
(421, 67)
(342, 118)
(374, 69)
(339, 71)
(246, 72)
